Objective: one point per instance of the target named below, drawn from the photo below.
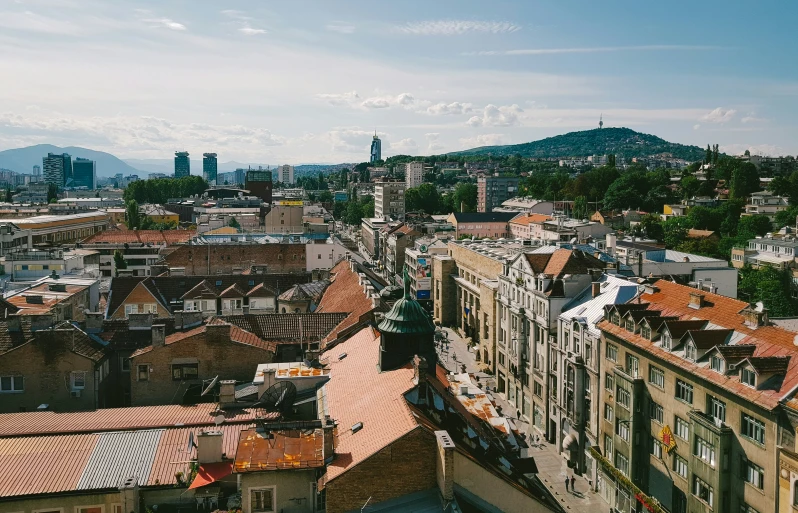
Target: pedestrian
(566, 483)
(572, 484)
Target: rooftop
(345, 294)
(237, 335)
(279, 450)
(158, 237)
(484, 217)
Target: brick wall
(404, 467)
(234, 258)
(215, 354)
(139, 296)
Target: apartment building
(695, 398)
(389, 200)
(766, 204)
(414, 174)
(492, 191)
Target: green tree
(52, 193)
(465, 197)
(708, 156)
(689, 185)
(119, 261)
(611, 160)
(744, 181)
(325, 197)
(424, 198)
(580, 210)
(773, 287)
(628, 191)
(132, 216)
(354, 214)
(651, 226)
(233, 223)
(787, 217)
(674, 231)
(752, 226)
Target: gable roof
(345, 294)
(261, 290)
(285, 327)
(526, 220)
(707, 339)
(68, 337)
(233, 290)
(769, 364)
(202, 290)
(236, 335)
(677, 329)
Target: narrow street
(552, 469)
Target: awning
(568, 442)
(211, 472)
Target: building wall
(284, 219)
(293, 491)
(46, 367)
(323, 256)
(63, 503)
(140, 296)
(215, 355)
(444, 290)
(406, 466)
(235, 258)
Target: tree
(580, 210)
(465, 197)
(674, 231)
(628, 191)
(132, 216)
(611, 160)
(787, 217)
(233, 223)
(771, 286)
(708, 157)
(747, 153)
(52, 193)
(752, 226)
(325, 197)
(119, 261)
(744, 181)
(424, 198)
(651, 226)
(690, 185)
(715, 154)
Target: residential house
(393, 256)
(158, 214)
(765, 203)
(63, 298)
(493, 225)
(528, 226)
(302, 298)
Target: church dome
(407, 316)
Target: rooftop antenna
(366, 504)
(601, 121)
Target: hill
(22, 160)
(619, 141)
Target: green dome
(407, 316)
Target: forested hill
(619, 141)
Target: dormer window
(689, 351)
(748, 377)
(630, 325)
(645, 332)
(666, 341)
(615, 319)
(716, 364)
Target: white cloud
(696, 126)
(594, 49)
(482, 140)
(236, 15)
(405, 146)
(405, 99)
(349, 140)
(339, 98)
(456, 27)
(242, 19)
(33, 22)
(505, 115)
(766, 150)
(164, 23)
(433, 143)
(249, 31)
(442, 109)
(719, 115)
(341, 27)
(376, 103)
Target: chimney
(13, 323)
(140, 321)
(596, 288)
(696, 301)
(328, 428)
(129, 495)
(227, 391)
(209, 447)
(41, 322)
(94, 322)
(445, 465)
(420, 367)
(158, 335)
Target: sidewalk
(552, 468)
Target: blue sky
(310, 81)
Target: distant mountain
(619, 141)
(22, 160)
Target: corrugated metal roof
(117, 456)
(33, 465)
(591, 309)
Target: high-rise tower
(182, 164)
(601, 121)
(376, 149)
(209, 168)
(57, 168)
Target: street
(552, 469)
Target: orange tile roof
(141, 236)
(672, 299)
(344, 294)
(236, 335)
(359, 392)
(285, 450)
(531, 219)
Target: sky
(311, 81)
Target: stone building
(235, 258)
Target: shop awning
(211, 472)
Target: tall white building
(389, 200)
(285, 174)
(414, 174)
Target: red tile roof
(236, 335)
(141, 236)
(359, 392)
(345, 294)
(528, 219)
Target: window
(615, 318)
(680, 466)
(632, 365)
(143, 372)
(622, 463)
(608, 446)
(261, 500)
(131, 309)
(77, 379)
(704, 450)
(630, 325)
(612, 352)
(656, 376)
(754, 475)
(716, 408)
(124, 364)
(682, 429)
(655, 411)
(748, 377)
(11, 384)
(684, 391)
(588, 354)
(185, 371)
(622, 429)
(666, 341)
(89, 509)
(689, 351)
(745, 508)
(716, 363)
(645, 332)
(656, 448)
(116, 508)
(609, 413)
(609, 382)
(752, 428)
(703, 491)
(538, 389)
(622, 397)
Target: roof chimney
(227, 391)
(696, 301)
(209, 447)
(158, 335)
(596, 288)
(419, 369)
(445, 465)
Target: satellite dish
(278, 397)
(760, 306)
(218, 420)
(210, 386)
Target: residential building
(231, 255)
(37, 172)
(492, 191)
(86, 204)
(57, 168)
(65, 299)
(12, 238)
(182, 164)
(699, 386)
(158, 214)
(389, 200)
(61, 229)
(32, 264)
(323, 255)
(139, 248)
(531, 206)
(494, 225)
(378, 172)
(528, 226)
(418, 262)
(683, 208)
(210, 168)
(301, 298)
(259, 184)
(84, 174)
(414, 174)
(394, 241)
(285, 174)
(36, 193)
(766, 204)
(611, 218)
(370, 235)
(376, 149)
(285, 219)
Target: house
(158, 214)
(492, 225)
(528, 226)
(139, 248)
(223, 257)
(301, 298)
(171, 370)
(710, 235)
(62, 298)
(766, 204)
(607, 217)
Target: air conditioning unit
(75, 393)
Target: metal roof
(591, 309)
(118, 456)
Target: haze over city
(305, 82)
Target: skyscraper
(57, 168)
(209, 168)
(37, 173)
(182, 164)
(414, 174)
(376, 149)
(285, 174)
(84, 173)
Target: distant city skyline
(433, 77)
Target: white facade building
(285, 174)
(414, 174)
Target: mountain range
(623, 142)
(22, 160)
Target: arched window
(283, 309)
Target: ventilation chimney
(696, 301)
(596, 288)
(158, 335)
(419, 369)
(94, 322)
(445, 465)
(129, 495)
(209, 447)
(13, 323)
(227, 391)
